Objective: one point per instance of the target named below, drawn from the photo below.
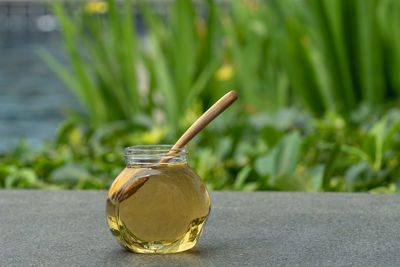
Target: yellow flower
(225, 72)
(96, 7)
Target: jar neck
(155, 155)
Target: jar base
(160, 248)
(134, 244)
(163, 247)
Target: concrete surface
(68, 228)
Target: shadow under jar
(157, 204)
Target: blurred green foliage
(285, 150)
(322, 55)
(317, 80)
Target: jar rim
(154, 149)
(144, 155)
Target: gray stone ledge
(68, 228)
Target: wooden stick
(131, 186)
(216, 109)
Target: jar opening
(146, 155)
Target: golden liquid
(159, 209)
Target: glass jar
(157, 204)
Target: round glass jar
(157, 204)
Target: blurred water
(32, 98)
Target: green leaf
(317, 173)
(389, 139)
(378, 133)
(252, 186)
(330, 166)
(283, 158)
(271, 135)
(299, 181)
(288, 153)
(241, 177)
(355, 171)
(369, 48)
(265, 165)
(24, 178)
(390, 189)
(301, 70)
(70, 174)
(224, 147)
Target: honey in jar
(157, 204)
